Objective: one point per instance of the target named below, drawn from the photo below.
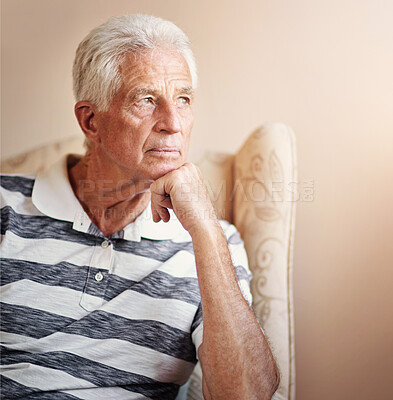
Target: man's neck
(110, 203)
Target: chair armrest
(265, 177)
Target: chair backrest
(42, 157)
(255, 189)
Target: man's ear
(85, 113)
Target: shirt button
(105, 244)
(99, 277)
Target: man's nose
(168, 120)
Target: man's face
(146, 131)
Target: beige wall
(323, 67)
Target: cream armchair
(256, 190)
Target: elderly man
(109, 261)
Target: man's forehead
(154, 64)
(149, 60)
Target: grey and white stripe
(83, 320)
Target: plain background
(323, 67)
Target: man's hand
(183, 191)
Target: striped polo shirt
(86, 316)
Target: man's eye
(183, 101)
(146, 100)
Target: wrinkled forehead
(155, 65)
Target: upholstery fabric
(255, 190)
(40, 158)
(265, 175)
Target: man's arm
(235, 357)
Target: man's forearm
(235, 357)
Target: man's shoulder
(16, 200)
(21, 183)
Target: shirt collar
(54, 197)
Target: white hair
(96, 73)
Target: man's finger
(166, 202)
(164, 214)
(155, 214)
(159, 205)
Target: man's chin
(158, 171)
(155, 166)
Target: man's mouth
(164, 151)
